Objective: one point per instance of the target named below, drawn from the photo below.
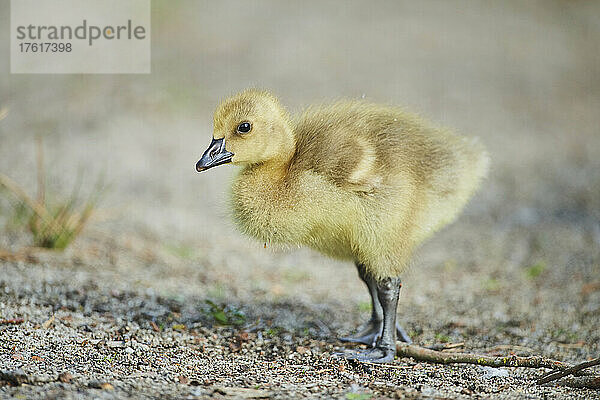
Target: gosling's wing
(336, 142)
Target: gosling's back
(365, 147)
(410, 173)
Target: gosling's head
(249, 128)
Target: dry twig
(12, 321)
(446, 346)
(582, 382)
(569, 371)
(561, 369)
(423, 354)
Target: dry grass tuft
(53, 226)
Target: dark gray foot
(367, 333)
(374, 355)
(371, 331)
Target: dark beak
(214, 155)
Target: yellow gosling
(354, 180)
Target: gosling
(354, 180)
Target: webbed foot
(371, 331)
(367, 333)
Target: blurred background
(522, 76)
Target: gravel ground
(114, 330)
(160, 297)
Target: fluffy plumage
(353, 180)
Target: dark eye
(244, 127)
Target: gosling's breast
(267, 210)
(304, 211)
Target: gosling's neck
(260, 192)
(271, 171)
(276, 167)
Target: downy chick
(354, 180)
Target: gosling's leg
(371, 330)
(388, 291)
